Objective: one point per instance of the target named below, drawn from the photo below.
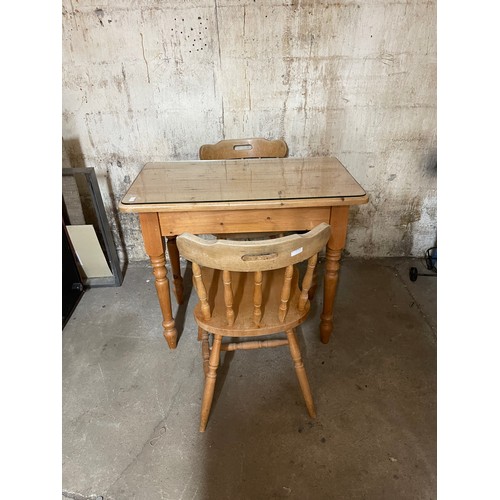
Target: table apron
(242, 221)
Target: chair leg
(205, 350)
(301, 372)
(210, 377)
(173, 254)
(314, 286)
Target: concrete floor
(131, 406)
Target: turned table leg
(154, 245)
(335, 245)
(173, 254)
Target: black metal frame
(105, 230)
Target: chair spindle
(201, 290)
(285, 293)
(228, 297)
(257, 297)
(307, 281)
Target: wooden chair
(248, 289)
(244, 148)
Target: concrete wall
(147, 81)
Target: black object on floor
(72, 287)
(430, 262)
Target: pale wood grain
(285, 293)
(155, 247)
(257, 297)
(244, 148)
(258, 255)
(242, 221)
(307, 281)
(228, 297)
(201, 291)
(338, 220)
(208, 392)
(239, 183)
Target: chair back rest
(231, 149)
(257, 257)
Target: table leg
(175, 262)
(335, 245)
(154, 245)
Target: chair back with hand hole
(232, 149)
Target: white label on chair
(296, 252)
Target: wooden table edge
(243, 205)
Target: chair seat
(243, 289)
